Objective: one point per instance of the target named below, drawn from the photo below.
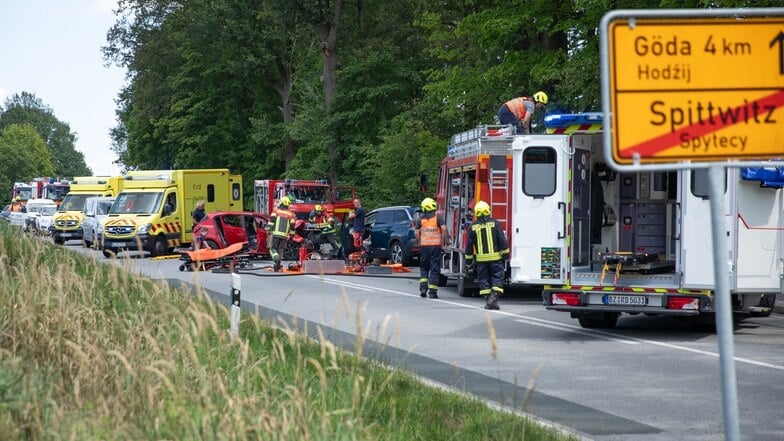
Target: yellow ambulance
(67, 221)
(153, 211)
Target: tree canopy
(58, 139)
(367, 92)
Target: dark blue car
(392, 234)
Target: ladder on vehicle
(499, 196)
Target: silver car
(95, 210)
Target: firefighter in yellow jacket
(430, 232)
(487, 242)
(279, 228)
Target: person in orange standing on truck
(519, 111)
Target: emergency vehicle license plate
(67, 234)
(614, 299)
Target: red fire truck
(304, 195)
(478, 166)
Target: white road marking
(555, 325)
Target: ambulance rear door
(539, 209)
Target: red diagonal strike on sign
(663, 142)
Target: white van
(96, 209)
(33, 209)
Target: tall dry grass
(91, 351)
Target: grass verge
(92, 351)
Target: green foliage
(26, 108)
(248, 84)
(25, 157)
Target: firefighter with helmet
(326, 223)
(519, 111)
(279, 229)
(430, 231)
(487, 250)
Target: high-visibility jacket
(281, 220)
(517, 106)
(486, 241)
(323, 221)
(430, 231)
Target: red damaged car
(221, 229)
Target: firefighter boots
(433, 295)
(492, 301)
(423, 289)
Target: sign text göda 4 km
(698, 89)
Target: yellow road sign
(699, 89)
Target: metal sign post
(724, 329)
(696, 88)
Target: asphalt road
(651, 378)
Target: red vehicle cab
(221, 229)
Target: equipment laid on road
(602, 243)
(152, 213)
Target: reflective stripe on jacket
(486, 241)
(281, 222)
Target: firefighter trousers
(278, 248)
(491, 277)
(429, 268)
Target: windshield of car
(314, 195)
(37, 208)
(103, 207)
(75, 202)
(25, 193)
(48, 210)
(58, 191)
(137, 203)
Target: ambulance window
(210, 193)
(700, 183)
(539, 171)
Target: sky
(52, 49)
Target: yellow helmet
(481, 209)
(285, 201)
(318, 208)
(540, 97)
(428, 204)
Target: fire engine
(304, 196)
(602, 243)
(41, 188)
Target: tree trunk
(286, 71)
(328, 33)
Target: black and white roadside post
(236, 285)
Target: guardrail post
(236, 285)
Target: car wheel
(464, 288)
(212, 245)
(398, 255)
(160, 247)
(59, 241)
